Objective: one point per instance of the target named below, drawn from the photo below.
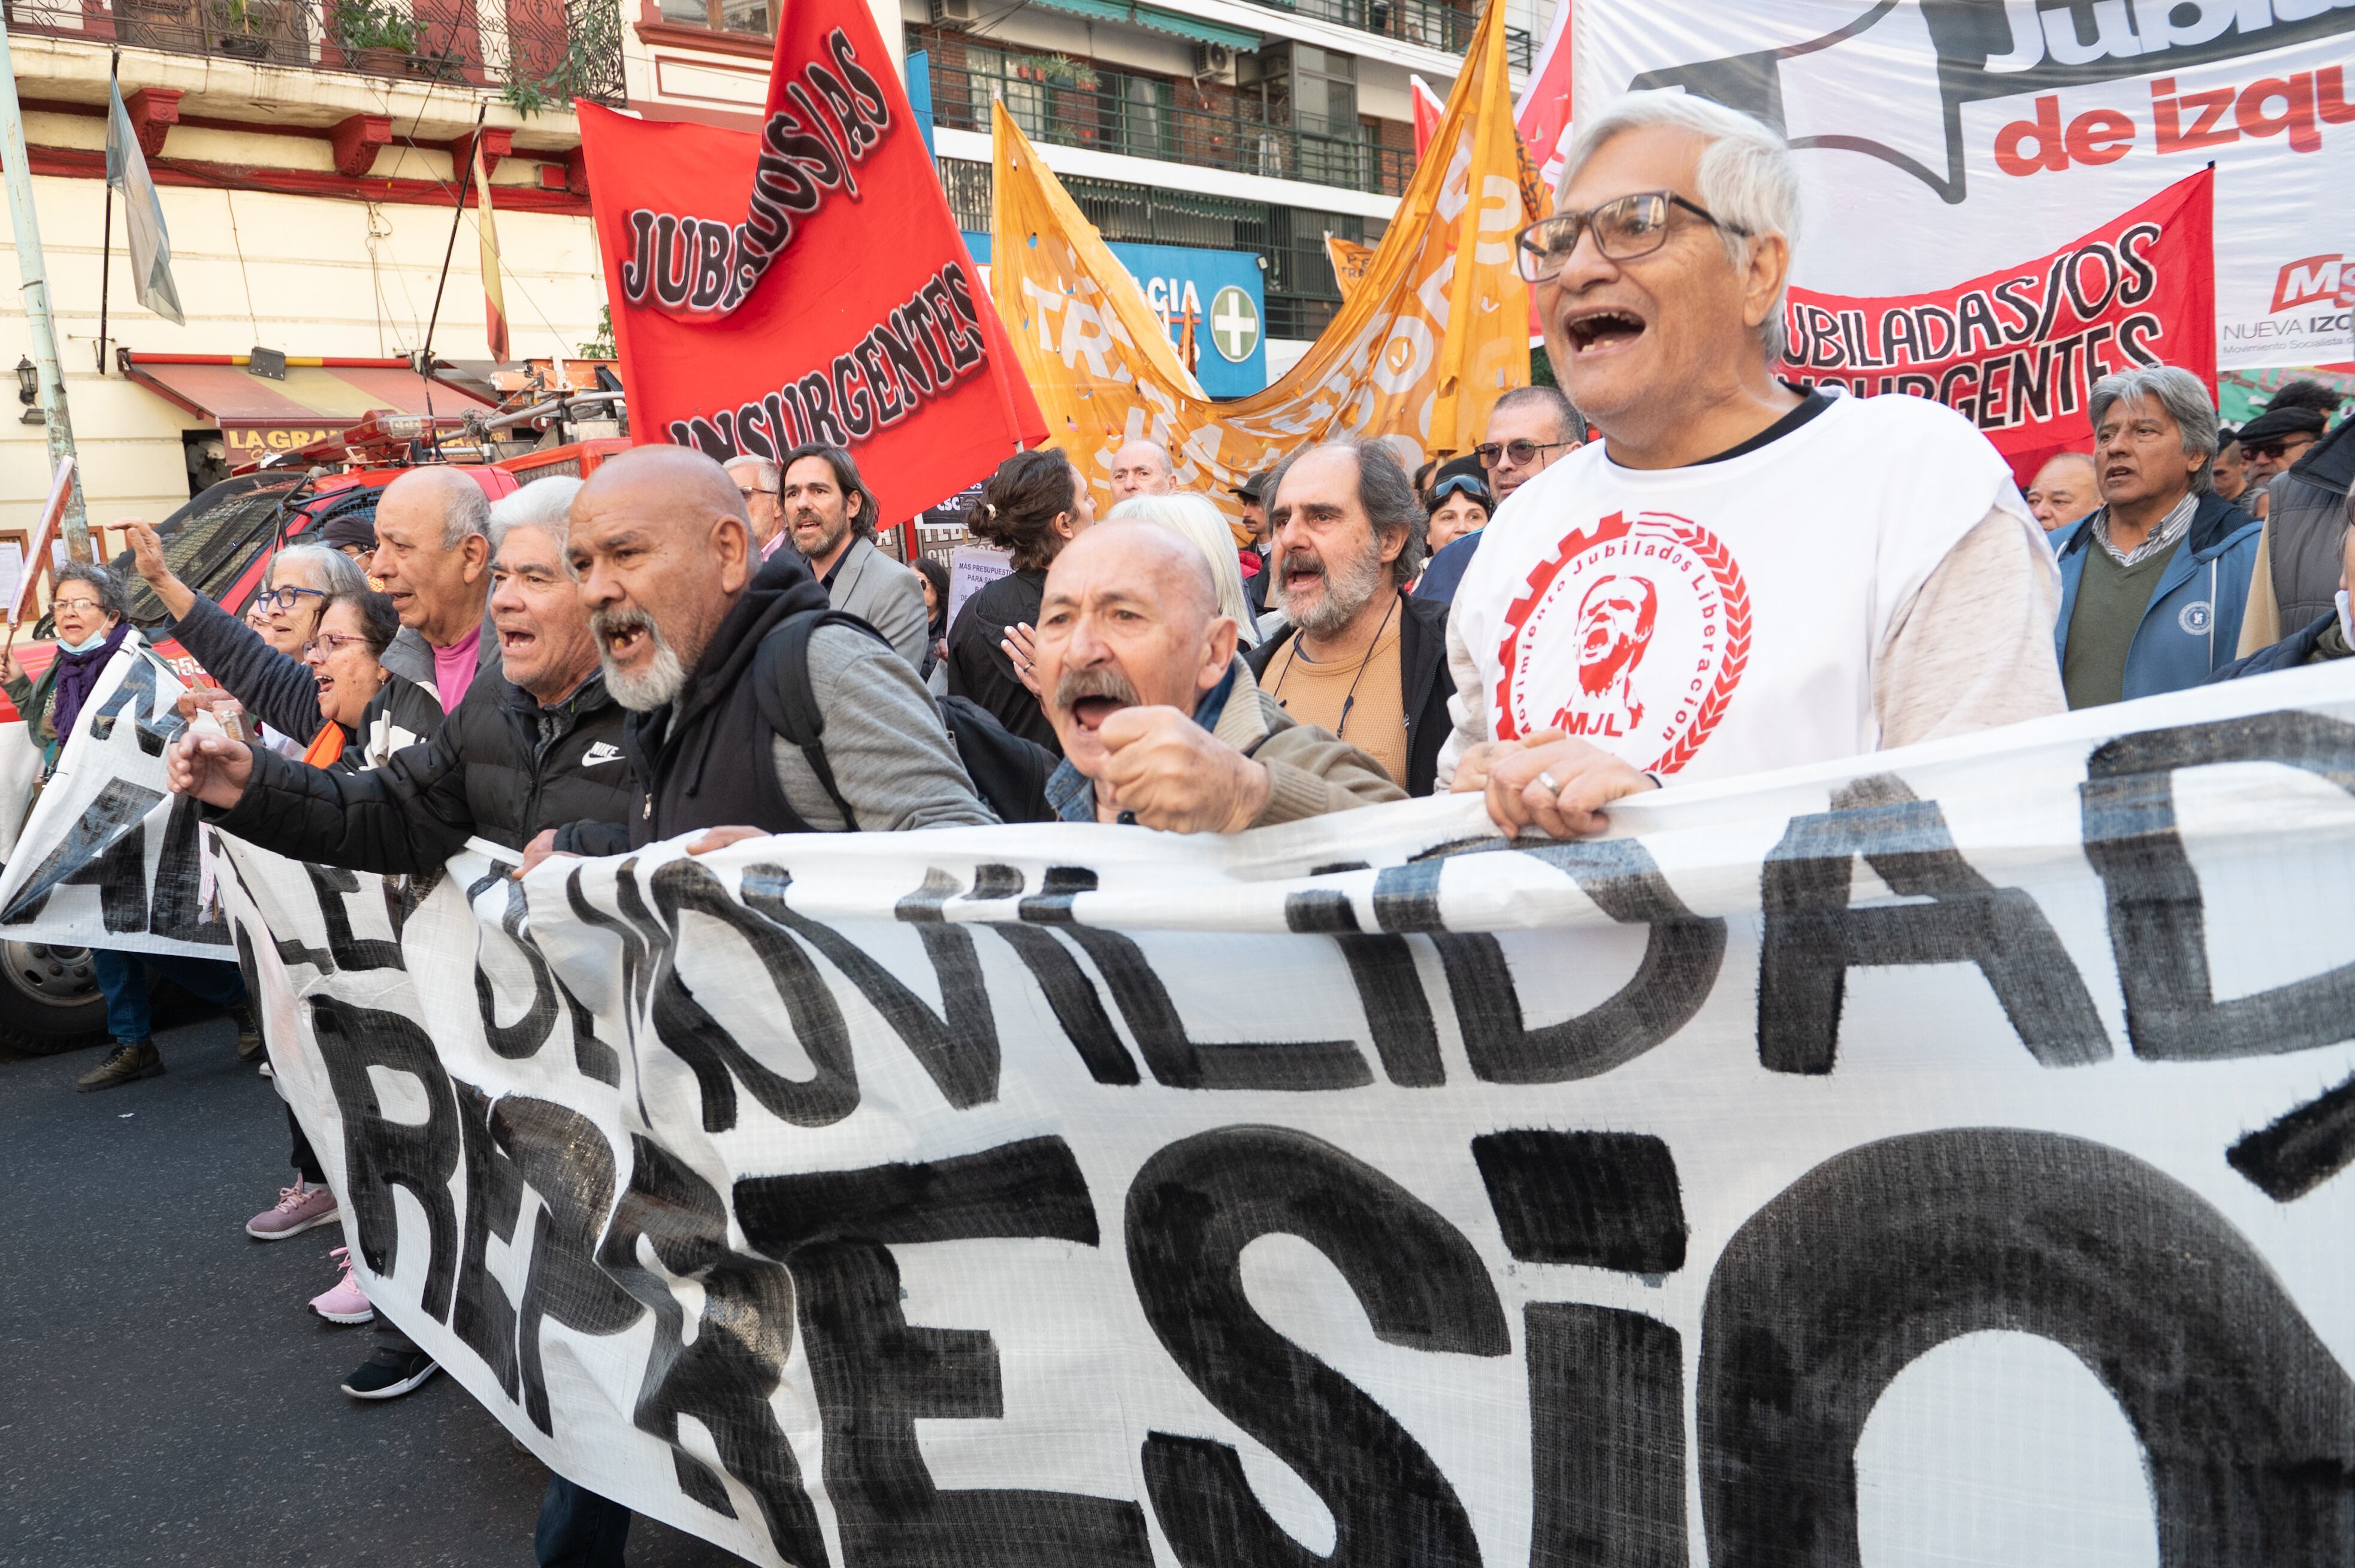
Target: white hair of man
(2184, 397)
(1198, 520)
(1746, 179)
(545, 504)
(765, 474)
(467, 512)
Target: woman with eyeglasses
(367, 713)
(91, 614)
(92, 611)
(259, 661)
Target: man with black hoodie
(678, 602)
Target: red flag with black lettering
(805, 283)
(2018, 351)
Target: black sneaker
(248, 1033)
(131, 1060)
(388, 1374)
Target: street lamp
(28, 391)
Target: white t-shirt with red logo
(1722, 618)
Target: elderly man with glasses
(2299, 472)
(758, 481)
(1682, 599)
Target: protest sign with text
(2018, 351)
(805, 283)
(1879, 1156)
(1938, 141)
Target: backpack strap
(781, 686)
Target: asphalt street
(168, 1397)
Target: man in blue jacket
(2154, 583)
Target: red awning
(319, 397)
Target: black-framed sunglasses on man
(1523, 453)
(1625, 229)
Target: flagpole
(457, 218)
(32, 269)
(106, 242)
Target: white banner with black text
(1946, 1149)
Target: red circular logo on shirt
(1632, 636)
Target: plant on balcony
(1058, 68)
(590, 67)
(246, 26)
(375, 37)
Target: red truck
(219, 545)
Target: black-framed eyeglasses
(1625, 228)
(286, 597)
(1523, 453)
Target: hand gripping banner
(806, 283)
(2018, 351)
(1947, 1147)
(1434, 332)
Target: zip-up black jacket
(502, 767)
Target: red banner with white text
(807, 282)
(2018, 351)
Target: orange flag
(494, 301)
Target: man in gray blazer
(830, 516)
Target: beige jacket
(1310, 770)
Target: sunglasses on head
(1460, 484)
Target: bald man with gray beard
(680, 604)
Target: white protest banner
(109, 857)
(1939, 143)
(1943, 1150)
(972, 568)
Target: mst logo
(2317, 278)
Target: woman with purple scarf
(92, 611)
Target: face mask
(2346, 626)
(95, 637)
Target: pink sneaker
(300, 1208)
(344, 1302)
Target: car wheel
(52, 997)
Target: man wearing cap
(1251, 539)
(2303, 473)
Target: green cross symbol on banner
(1234, 324)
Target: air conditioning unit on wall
(952, 13)
(1212, 62)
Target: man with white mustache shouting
(680, 604)
(1765, 623)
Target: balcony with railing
(1071, 104)
(538, 54)
(1432, 24)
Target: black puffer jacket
(502, 767)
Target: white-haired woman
(1198, 517)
